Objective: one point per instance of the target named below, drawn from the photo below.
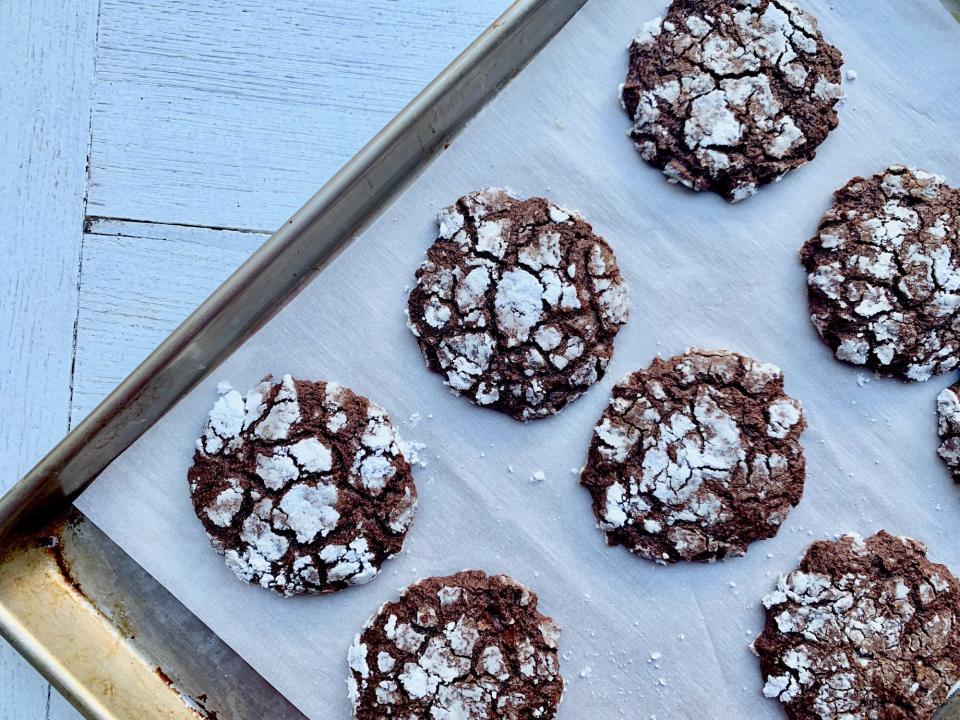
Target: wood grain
(209, 113)
(140, 280)
(46, 79)
(232, 113)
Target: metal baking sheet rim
(44, 612)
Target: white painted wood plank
(25, 690)
(204, 117)
(233, 112)
(46, 68)
(139, 282)
(46, 77)
(59, 709)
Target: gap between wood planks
(86, 202)
(123, 315)
(47, 81)
(194, 259)
(129, 115)
(92, 225)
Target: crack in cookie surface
(884, 274)
(728, 95)
(517, 304)
(696, 457)
(464, 647)
(301, 485)
(862, 629)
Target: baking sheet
(701, 272)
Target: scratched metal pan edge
(302, 246)
(115, 642)
(94, 623)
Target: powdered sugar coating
(517, 304)
(730, 94)
(464, 647)
(948, 426)
(301, 485)
(884, 274)
(696, 457)
(863, 629)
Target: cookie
(948, 425)
(464, 647)
(884, 274)
(517, 304)
(301, 485)
(863, 629)
(727, 95)
(696, 457)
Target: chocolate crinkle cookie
(301, 485)
(862, 629)
(517, 304)
(884, 274)
(696, 457)
(464, 647)
(948, 425)
(728, 95)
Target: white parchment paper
(701, 272)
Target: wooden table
(146, 148)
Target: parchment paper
(701, 272)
